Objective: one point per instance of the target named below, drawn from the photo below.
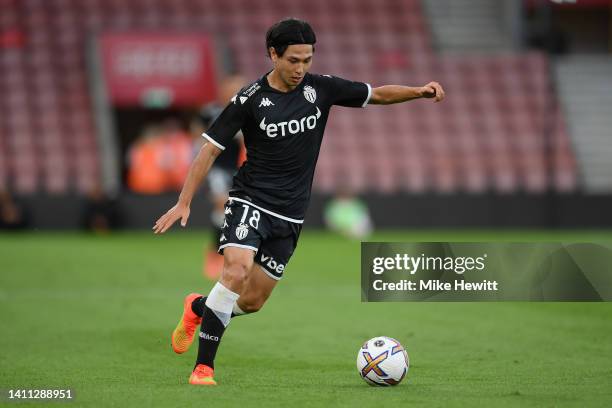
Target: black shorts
(272, 237)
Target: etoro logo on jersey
(293, 126)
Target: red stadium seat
(491, 140)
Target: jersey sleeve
(349, 93)
(225, 127)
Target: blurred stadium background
(523, 138)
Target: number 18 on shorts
(273, 239)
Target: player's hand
(433, 90)
(179, 211)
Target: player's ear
(273, 55)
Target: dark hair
(288, 32)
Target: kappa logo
(224, 223)
(228, 210)
(293, 126)
(310, 94)
(242, 231)
(222, 238)
(207, 336)
(266, 102)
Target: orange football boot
(202, 375)
(182, 336)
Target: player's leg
(257, 289)
(218, 310)
(255, 285)
(246, 232)
(235, 234)
(194, 304)
(268, 268)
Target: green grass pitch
(95, 313)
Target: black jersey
(282, 132)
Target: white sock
(237, 311)
(221, 301)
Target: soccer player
(282, 116)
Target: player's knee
(235, 271)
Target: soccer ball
(382, 361)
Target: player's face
(294, 63)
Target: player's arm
(218, 135)
(198, 170)
(389, 94)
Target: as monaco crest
(241, 231)
(310, 94)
